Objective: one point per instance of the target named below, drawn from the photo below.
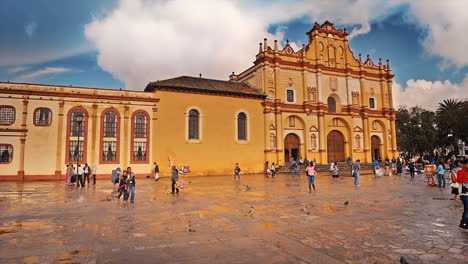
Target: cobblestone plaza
(386, 218)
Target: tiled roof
(202, 85)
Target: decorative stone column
(126, 141)
(60, 139)
(322, 131)
(24, 128)
(94, 127)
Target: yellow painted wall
(218, 149)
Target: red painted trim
(14, 115)
(76, 95)
(51, 116)
(101, 137)
(85, 136)
(12, 151)
(132, 138)
(13, 130)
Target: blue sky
(45, 41)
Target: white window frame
(200, 125)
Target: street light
(79, 117)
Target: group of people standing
(125, 182)
(79, 176)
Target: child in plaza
(335, 172)
(237, 171)
(123, 187)
(311, 172)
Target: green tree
(451, 120)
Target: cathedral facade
(317, 103)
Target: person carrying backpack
(237, 171)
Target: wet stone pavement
(386, 218)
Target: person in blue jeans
(357, 172)
(441, 174)
(131, 184)
(311, 172)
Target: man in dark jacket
(174, 178)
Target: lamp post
(79, 120)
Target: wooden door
(375, 146)
(291, 147)
(335, 147)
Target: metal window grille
(140, 126)
(77, 128)
(290, 96)
(43, 117)
(331, 105)
(6, 153)
(139, 151)
(194, 117)
(7, 115)
(75, 151)
(109, 151)
(110, 125)
(241, 126)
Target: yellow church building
(317, 103)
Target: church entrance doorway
(335, 147)
(375, 146)
(291, 147)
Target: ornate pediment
(328, 28)
(313, 129)
(357, 129)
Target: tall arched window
(331, 105)
(110, 136)
(77, 135)
(194, 124)
(241, 126)
(140, 137)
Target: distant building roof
(202, 85)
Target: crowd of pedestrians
(79, 176)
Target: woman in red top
(462, 179)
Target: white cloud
(30, 28)
(142, 41)
(446, 22)
(16, 69)
(48, 71)
(428, 94)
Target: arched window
(272, 141)
(140, 137)
(110, 136)
(76, 135)
(331, 105)
(7, 115)
(6, 153)
(194, 123)
(42, 116)
(242, 126)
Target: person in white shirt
(79, 172)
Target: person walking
(273, 170)
(174, 179)
(411, 168)
(237, 171)
(69, 173)
(454, 184)
(462, 180)
(293, 165)
(156, 172)
(357, 172)
(334, 170)
(79, 173)
(375, 165)
(441, 174)
(94, 172)
(131, 184)
(399, 167)
(311, 172)
(86, 171)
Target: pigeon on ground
(403, 260)
(346, 203)
(305, 209)
(251, 210)
(248, 188)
